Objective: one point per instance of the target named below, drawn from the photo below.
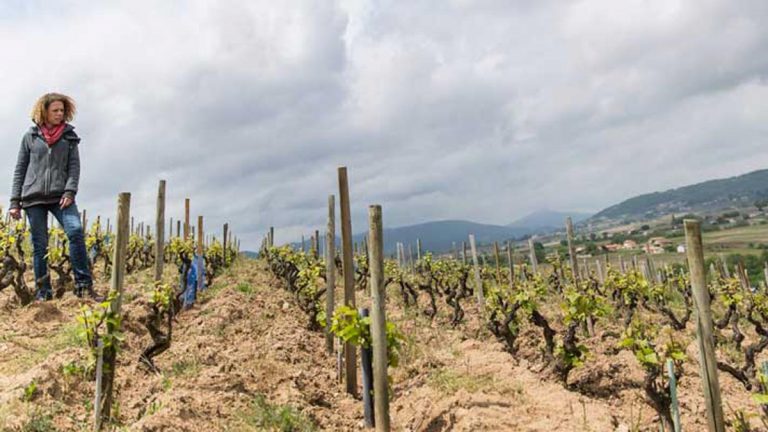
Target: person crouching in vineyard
(46, 180)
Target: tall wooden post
(498, 262)
(478, 280)
(378, 320)
(511, 265)
(418, 249)
(224, 241)
(117, 280)
(186, 219)
(572, 250)
(160, 229)
(350, 355)
(532, 256)
(317, 244)
(200, 236)
(464, 252)
(170, 229)
(271, 236)
(707, 360)
(85, 222)
(330, 272)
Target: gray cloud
(484, 110)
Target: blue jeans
(69, 218)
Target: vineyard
(194, 336)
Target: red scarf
(53, 133)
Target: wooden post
(85, 221)
(99, 380)
(478, 279)
(511, 265)
(350, 355)
(178, 229)
(366, 372)
(200, 236)
(378, 319)
(464, 252)
(160, 229)
(765, 272)
(271, 236)
(186, 219)
(532, 252)
(330, 272)
(303, 244)
(674, 406)
(572, 250)
(117, 279)
(600, 276)
(317, 244)
(170, 228)
(418, 249)
(498, 262)
(707, 360)
(224, 240)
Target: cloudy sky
(483, 110)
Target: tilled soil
(246, 341)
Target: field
(243, 360)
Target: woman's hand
(15, 213)
(65, 202)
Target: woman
(45, 180)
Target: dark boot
(88, 292)
(42, 294)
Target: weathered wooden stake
(317, 244)
(186, 219)
(674, 406)
(418, 249)
(224, 240)
(478, 279)
(99, 380)
(117, 279)
(366, 372)
(572, 250)
(511, 265)
(701, 295)
(378, 319)
(350, 355)
(330, 272)
(498, 262)
(532, 256)
(160, 229)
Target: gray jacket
(44, 174)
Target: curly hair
(41, 107)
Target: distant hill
(545, 221)
(733, 191)
(439, 236)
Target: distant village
(654, 245)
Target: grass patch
(245, 288)
(263, 416)
(449, 381)
(186, 368)
(65, 337)
(39, 421)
